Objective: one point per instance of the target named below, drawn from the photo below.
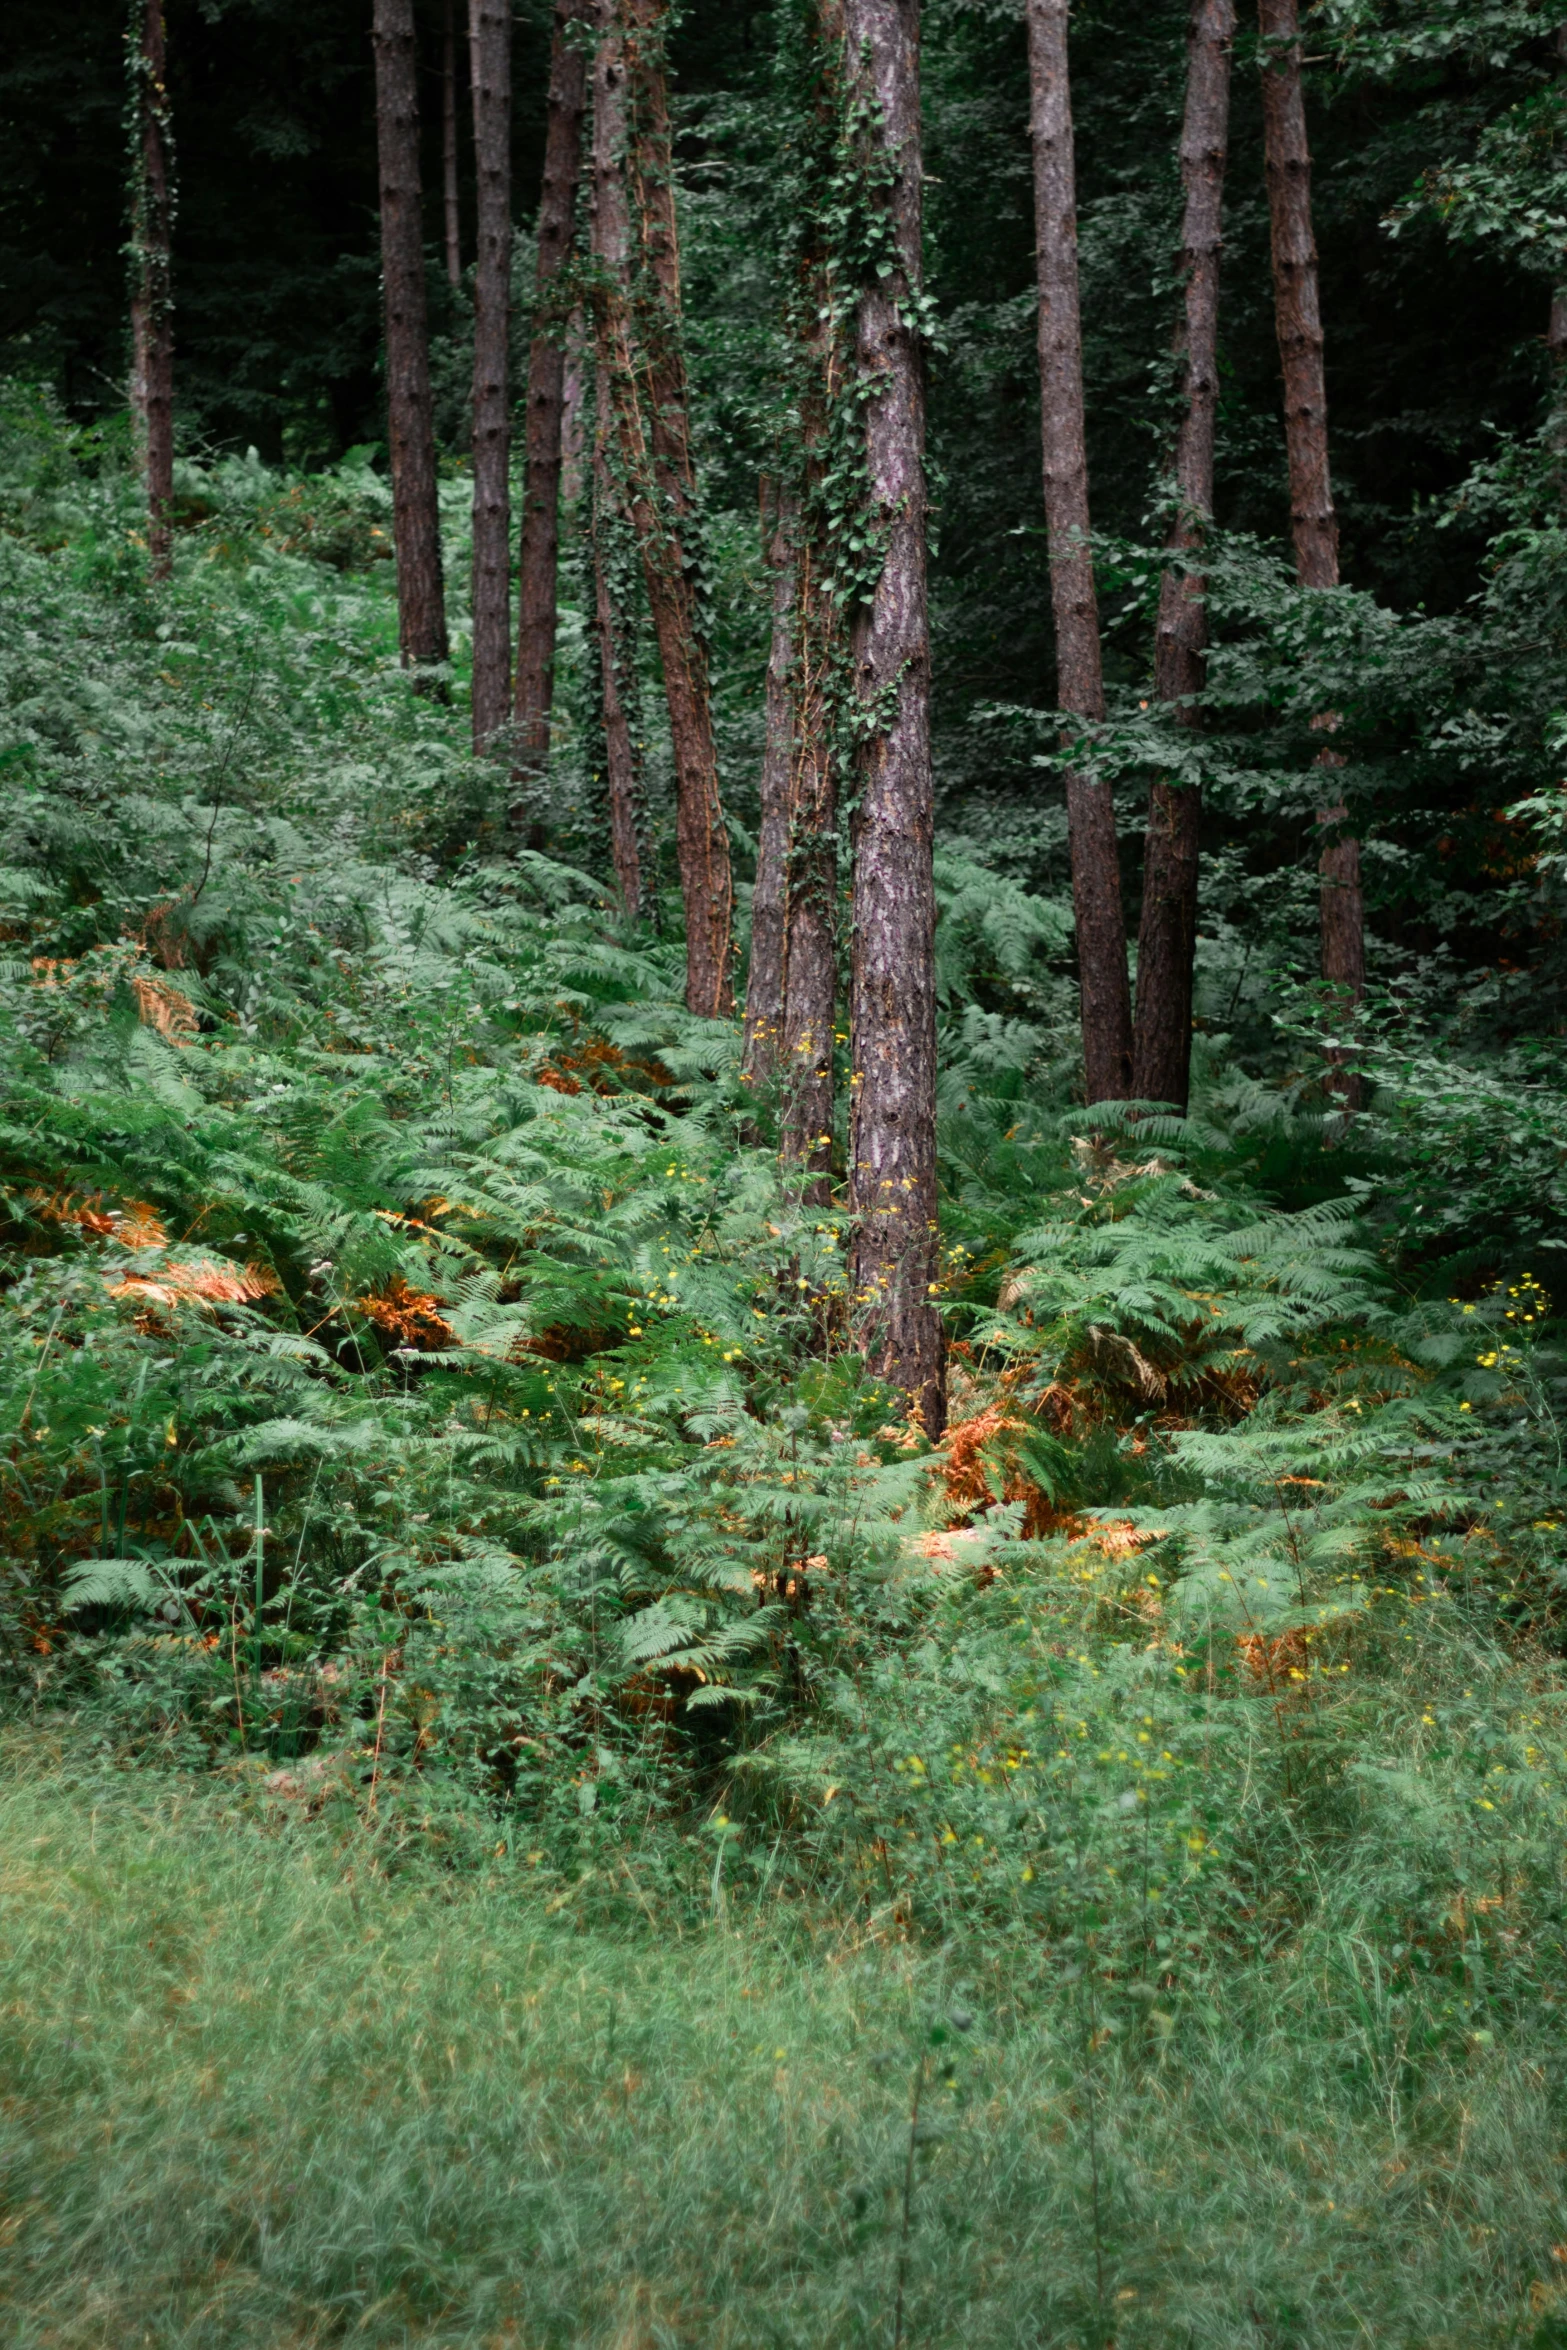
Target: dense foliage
(430, 1419)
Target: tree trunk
(622, 751)
(1096, 872)
(647, 373)
(152, 292)
(573, 397)
(1313, 522)
(1167, 939)
(490, 62)
(539, 552)
(892, 1152)
(811, 893)
(416, 512)
(1556, 328)
(764, 994)
(449, 147)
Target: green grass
(256, 2090)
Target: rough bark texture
(152, 287)
(764, 993)
(489, 23)
(1096, 873)
(1167, 938)
(621, 748)
(1556, 328)
(1313, 521)
(449, 146)
(647, 360)
(416, 517)
(892, 1149)
(811, 925)
(539, 552)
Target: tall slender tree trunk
(1556, 328)
(416, 512)
(617, 684)
(1167, 939)
(764, 994)
(1313, 521)
(892, 1152)
(490, 55)
(811, 893)
(647, 358)
(1096, 872)
(152, 285)
(573, 409)
(811, 890)
(449, 146)
(539, 551)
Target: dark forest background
(1435, 348)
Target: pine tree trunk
(449, 147)
(811, 892)
(652, 407)
(621, 750)
(1313, 521)
(152, 290)
(490, 60)
(539, 551)
(573, 409)
(1096, 872)
(892, 1149)
(1556, 328)
(764, 994)
(416, 513)
(1167, 938)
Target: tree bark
(449, 147)
(1313, 521)
(539, 551)
(416, 512)
(1096, 873)
(646, 363)
(622, 750)
(152, 288)
(1167, 938)
(892, 1150)
(573, 397)
(811, 892)
(490, 38)
(1556, 327)
(764, 994)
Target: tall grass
(261, 2089)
